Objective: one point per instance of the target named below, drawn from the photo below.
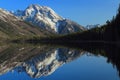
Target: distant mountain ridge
(47, 19)
(93, 26)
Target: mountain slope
(107, 33)
(12, 27)
(47, 19)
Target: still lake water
(58, 63)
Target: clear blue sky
(82, 11)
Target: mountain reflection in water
(41, 60)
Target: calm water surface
(49, 63)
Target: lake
(50, 62)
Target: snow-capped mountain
(46, 18)
(92, 26)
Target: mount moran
(34, 21)
(47, 19)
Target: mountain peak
(46, 18)
(40, 16)
(36, 6)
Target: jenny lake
(48, 62)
